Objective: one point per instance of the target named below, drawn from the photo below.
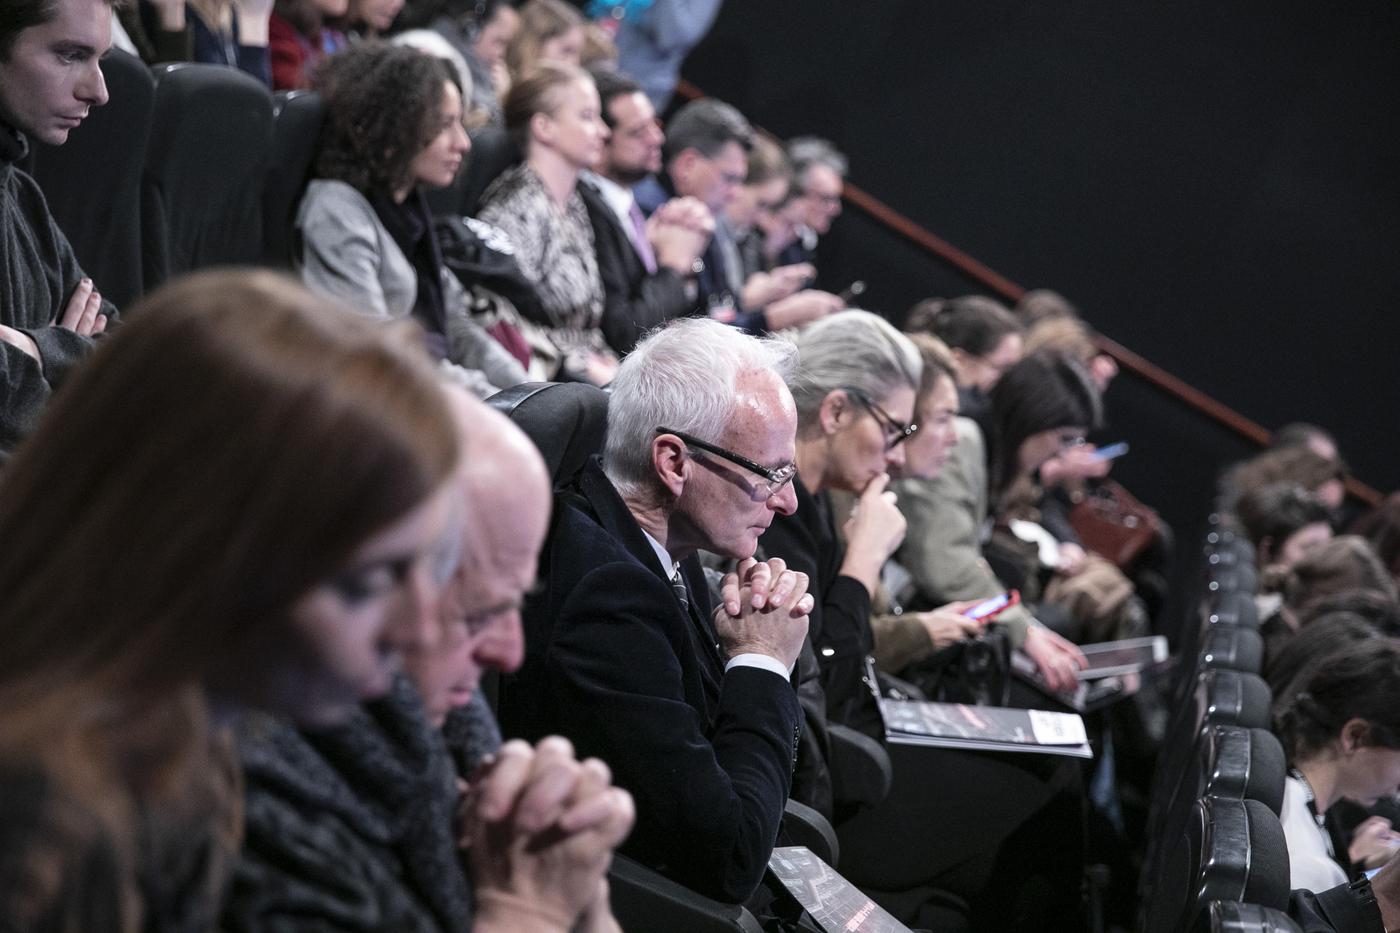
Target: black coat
(634, 300)
(839, 626)
(614, 663)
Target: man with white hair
(692, 708)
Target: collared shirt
(748, 659)
(618, 199)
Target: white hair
(432, 43)
(681, 376)
(851, 348)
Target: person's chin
(56, 135)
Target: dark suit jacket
(634, 300)
(713, 279)
(615, 664)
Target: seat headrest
(567, 421)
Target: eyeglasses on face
(774, 479)
(896, 431)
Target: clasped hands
(763, 610)
(539, 828)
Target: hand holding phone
(989, 609)
(1111, 452)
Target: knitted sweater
(350, 828)
(38, 274)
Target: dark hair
(18, 15)
(972, 323)
(1300, 465)
(258, 435)
(383, 105)
(937, 359)
(612, 83)
(1347, 562)
(1360, 681)
(1380, 610)
(1273, 512)
(1381, 526)
(706, 126)
(1043, 391)
(1326, 634)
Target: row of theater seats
(186, 166)
(1217, 859)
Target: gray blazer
(349, 255)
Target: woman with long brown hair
(240, 501)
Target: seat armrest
(644, 899)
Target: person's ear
(835, 411)
(670, 462)
(683, 165)
(1356, 733)
(542, 127)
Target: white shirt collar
(662, 555)
(618, 199)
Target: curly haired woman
(393, 127)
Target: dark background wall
(1214, 184)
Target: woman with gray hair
(854, 388)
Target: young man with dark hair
(706, 157)
(49, 311)
(647, 266)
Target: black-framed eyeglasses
(774, 478)
(896, 431)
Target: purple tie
(638, 236)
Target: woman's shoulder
(329, 202)
(514, 187)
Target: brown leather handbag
(1113, 524)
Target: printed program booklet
(985, 728)
(837, 905)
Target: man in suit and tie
(705, 155)
(648, 265)
(691, 705)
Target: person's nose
(92, 90)
(503, 648)
(895, 457)
(784, 501)
(461, 141)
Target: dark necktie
(682, 596)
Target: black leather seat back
(1232, 648)
(1233, 917)
(493, 151)
(1229, 850)
(93, 181)
(208, 153)
(296, 134)
(567, 421)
